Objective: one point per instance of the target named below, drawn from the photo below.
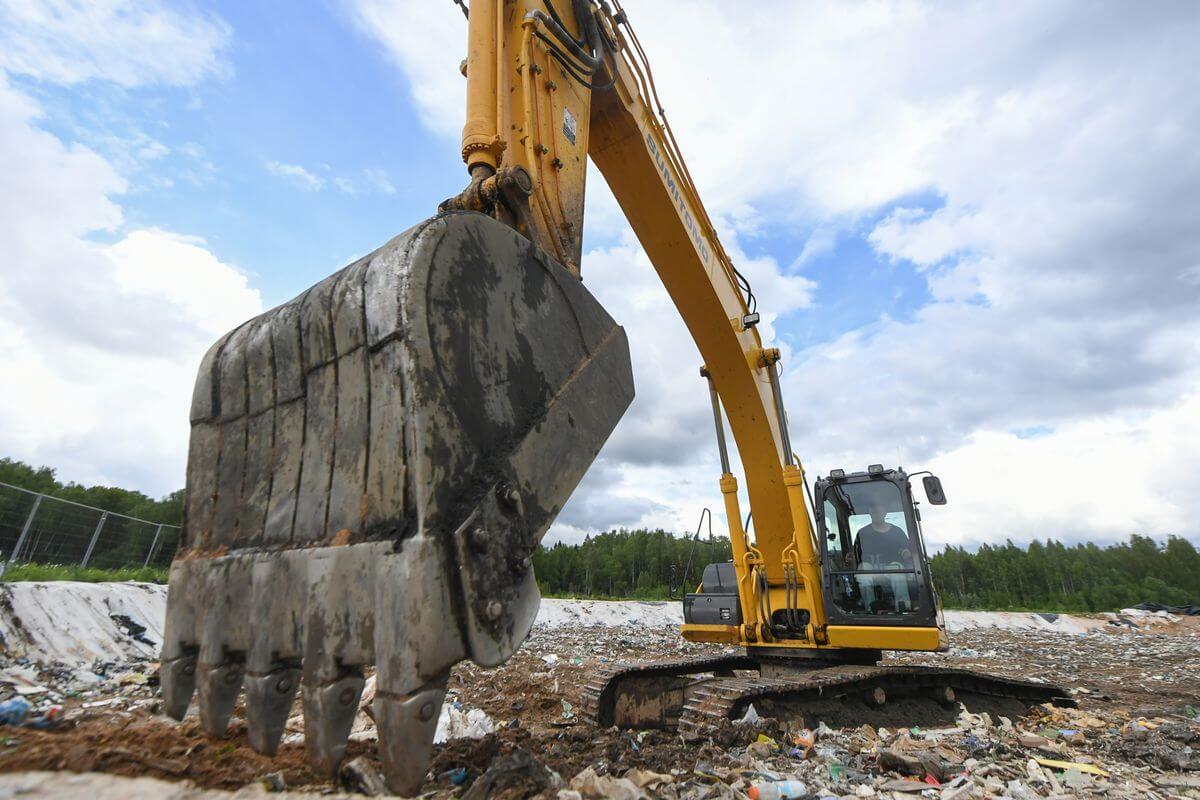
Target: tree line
(167, 510)
(60, 532)
(1042, 576)
(655, 564)
(1053, 576)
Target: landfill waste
(134, 629)
(778, 790)
(360, 776)
(14, 711)
(517, 775)
(1187, 611)
(454, 723)
(1132, 736)
(592, 786)
(456, 776)
(750, 717)
(273, 782)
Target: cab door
(873, 560)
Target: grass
(74, 572)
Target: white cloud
(130, 43)
(1099, 479)
(296, 174)
(378, 180)
(368, 180)
(427, 43)
(365, 181)
(102, 342)
(1060, 251)
(660, 466)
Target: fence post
(150, 552)
(95, 536)
(12, 557)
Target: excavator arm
(545, 90)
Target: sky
(972, 229)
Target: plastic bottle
(778, 790)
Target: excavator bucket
(371, 467)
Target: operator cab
(873, 557)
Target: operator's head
(878, 512)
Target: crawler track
(726, 698)
(714, 700)
(599, 696)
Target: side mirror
(933, 490)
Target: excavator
(372, 465)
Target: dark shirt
(876, 545)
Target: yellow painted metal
(524, 110)
(743, 555)
(721, 634)
(529, 112)
(878, 637)
(629, 149)
(804, 544)
(856, 637)
(482, 142)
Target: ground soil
(1118, 675)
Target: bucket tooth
(273, 666)
(224, 640)
(178, 679)
(339, 640)
(177, 673)
(219, 686)
(329, 711)
(406, 727)
(416, 651)
(371, 467)
(269, 698)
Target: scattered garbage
(273, 782)
(457, 776)
(750, 717)
(593, 786)
(519, 730)
(517, 775)
(454, 723)
(1069, 765)
(133, 629)
(778, 790)
(359, 775)
(14, 711)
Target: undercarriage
(695, 694)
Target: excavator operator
(880, 542)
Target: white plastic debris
(454, 723)
(750, 717)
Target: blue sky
(971, 228)
(298, 89)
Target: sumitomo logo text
(688, 221)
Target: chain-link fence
(42, 529)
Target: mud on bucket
(371, 467)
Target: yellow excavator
(372, 464)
